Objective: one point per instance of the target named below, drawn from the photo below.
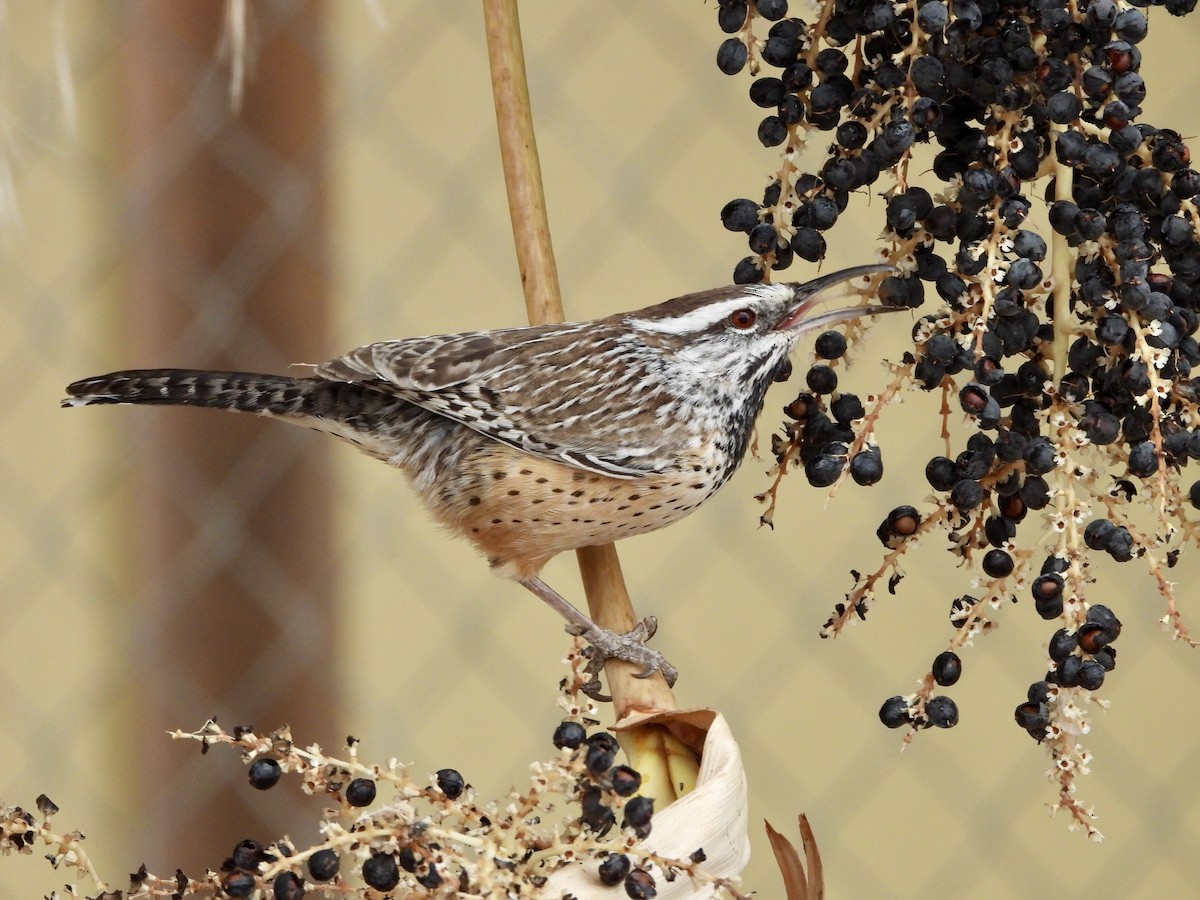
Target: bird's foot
(605, 645)
(629, 646)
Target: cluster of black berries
(1080, 659)
(242, 866)
(604, 782)
(938, 711)
(1070, 354)
(381, 871)
(822, 430)
(602, 789)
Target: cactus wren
(531, 441)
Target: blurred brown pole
(231, 527)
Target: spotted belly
(521, 510)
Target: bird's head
(747, 332)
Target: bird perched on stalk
(531, 441)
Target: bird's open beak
(812, 293)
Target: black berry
(614, 868)
(942, 712)
(947, 668)
(323, 865)
(450, 782)
(381, 872)
(264, 773)
(287, 886)
(360, 792)
(895, 712)
(569, 734)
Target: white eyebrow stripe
(710, 313)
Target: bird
(533, 440)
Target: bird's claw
(630, 647)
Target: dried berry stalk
(384, 829)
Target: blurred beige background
(410, 645)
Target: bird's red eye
(743, 319)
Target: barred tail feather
(377, 423)
(240, 391)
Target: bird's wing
(517, 386)
(428, 364)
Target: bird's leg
(629, 646)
